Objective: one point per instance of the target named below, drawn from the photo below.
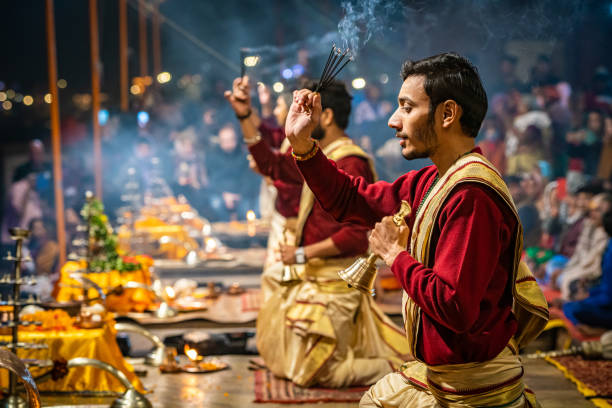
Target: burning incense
(333, 66)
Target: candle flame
(191, 353)
(211, 244)
(250, 215)
(170, 292)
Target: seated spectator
(529, 153)
(36, 163)
(585, 145)
(507, 79)
(189, 165)
(542, 73)
(596, 309)
(565, 224)
(527, 211)
(585, 265)
(23, 205)
(604, 171)
(370, 115)
(44, 251)
(493, 145)
(233, 186)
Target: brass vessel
(362, 273)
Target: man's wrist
(390, 256)
(245, 116)
(306, 153)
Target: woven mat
(251, 300)
(269, 388)
(592, 377)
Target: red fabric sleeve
(353, 199)
(351, 240)
(274, 135)
(274, 164)
(473, 233)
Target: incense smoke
(363, 20)
(316, 45)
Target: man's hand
(387, 240)
(240, 97)
(303, 117)
(287, 253)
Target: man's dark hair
(594, 187)
(451, 76)
(335, 97)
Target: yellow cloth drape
(99, 344)
(153, 230)
(130, 300)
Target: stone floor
(234, 388)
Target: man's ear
(327, 117)
(451, 113)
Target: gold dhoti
(494, 383)
(280, 228)
(319, 331)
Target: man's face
(411, 122)
(37, 151)
(227, 139)
(280, 111)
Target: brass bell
(362, 273)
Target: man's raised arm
(346, 198)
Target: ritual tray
(226, 309)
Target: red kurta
(466, 298)
(274, 135)
(287, 200)
(350, 239)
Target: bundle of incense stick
(333, 66)
(242, 66)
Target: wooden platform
(234, 388)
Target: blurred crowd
(554, 147)
(551, 141)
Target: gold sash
(285, 145)
(530, 307)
